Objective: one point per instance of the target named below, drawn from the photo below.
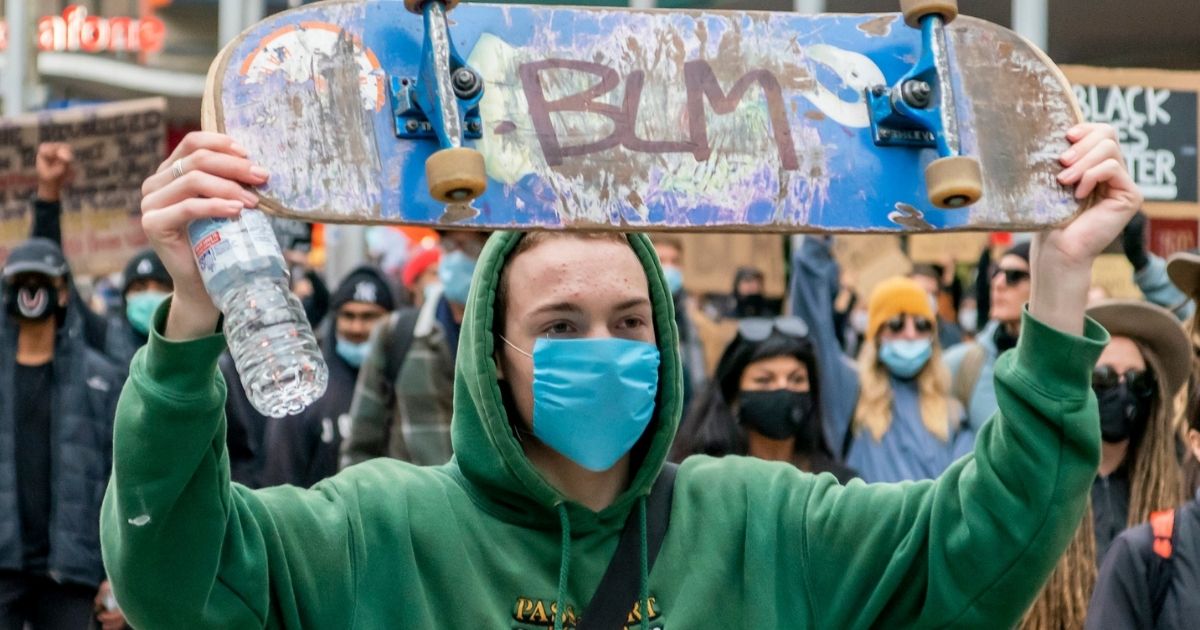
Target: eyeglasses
(896, 324)
(759, 328)
(1140, 382)
(1012, 277)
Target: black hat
(1020, 250)
(145, 265)
(364, 284)
(36, 255)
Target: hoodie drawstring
(645, 572)
(564, 566)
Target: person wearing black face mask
(763, 401)
(1136, 382)
(60, 398)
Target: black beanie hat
(364, 284)
(145, 265)
(1021, 250)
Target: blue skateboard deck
(640, 120)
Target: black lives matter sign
(1158, 135)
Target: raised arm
(973, 548)
(53, 164)
(183, 546)
(814, 283)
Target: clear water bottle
(271, 341)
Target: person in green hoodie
(572, 336)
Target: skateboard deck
(640, 120)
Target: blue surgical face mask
(592, 398)
(455, 271)
(674, 279)
(352, 353)
(140, 307)
(905, 358)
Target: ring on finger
(177, 169)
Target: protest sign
(116, 146)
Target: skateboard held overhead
(527, 117)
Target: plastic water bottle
(271, 341)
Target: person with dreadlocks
(1136, 381)
(1151, 576)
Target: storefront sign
(77, 31)
(116, 147)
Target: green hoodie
(479, 542)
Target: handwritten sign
(116, 147)
(1155, 114)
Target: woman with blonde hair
(1136, 382)
(892, 414)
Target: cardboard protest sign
(116, 146)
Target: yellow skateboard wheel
(954, 182)
(914, 10)
(456, 175)
(415, 5)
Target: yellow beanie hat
(896, 296)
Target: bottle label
(220, 244)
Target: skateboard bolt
(878, 90)
(466, 83)
(411, 126)
(473, 127)
(916, 93)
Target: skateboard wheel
(414, 6)
(954, 182)
(455, 175)
(914, 10)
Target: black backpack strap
(399, 340)
(618, 590)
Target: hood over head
(488, 453)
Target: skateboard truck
(919, 110)
(442, 102)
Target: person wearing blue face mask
(890, 415)
(303, 449)
(526, 521)
(405, 396)
(146, 284)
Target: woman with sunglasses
(891, 414)
(1151, 575)
(972, 364)
(1136, 381)
(763, 401)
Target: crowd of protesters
(893, 384)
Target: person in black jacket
(1151, 575)
(58, 398)
(303, 450)
(764, 401)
